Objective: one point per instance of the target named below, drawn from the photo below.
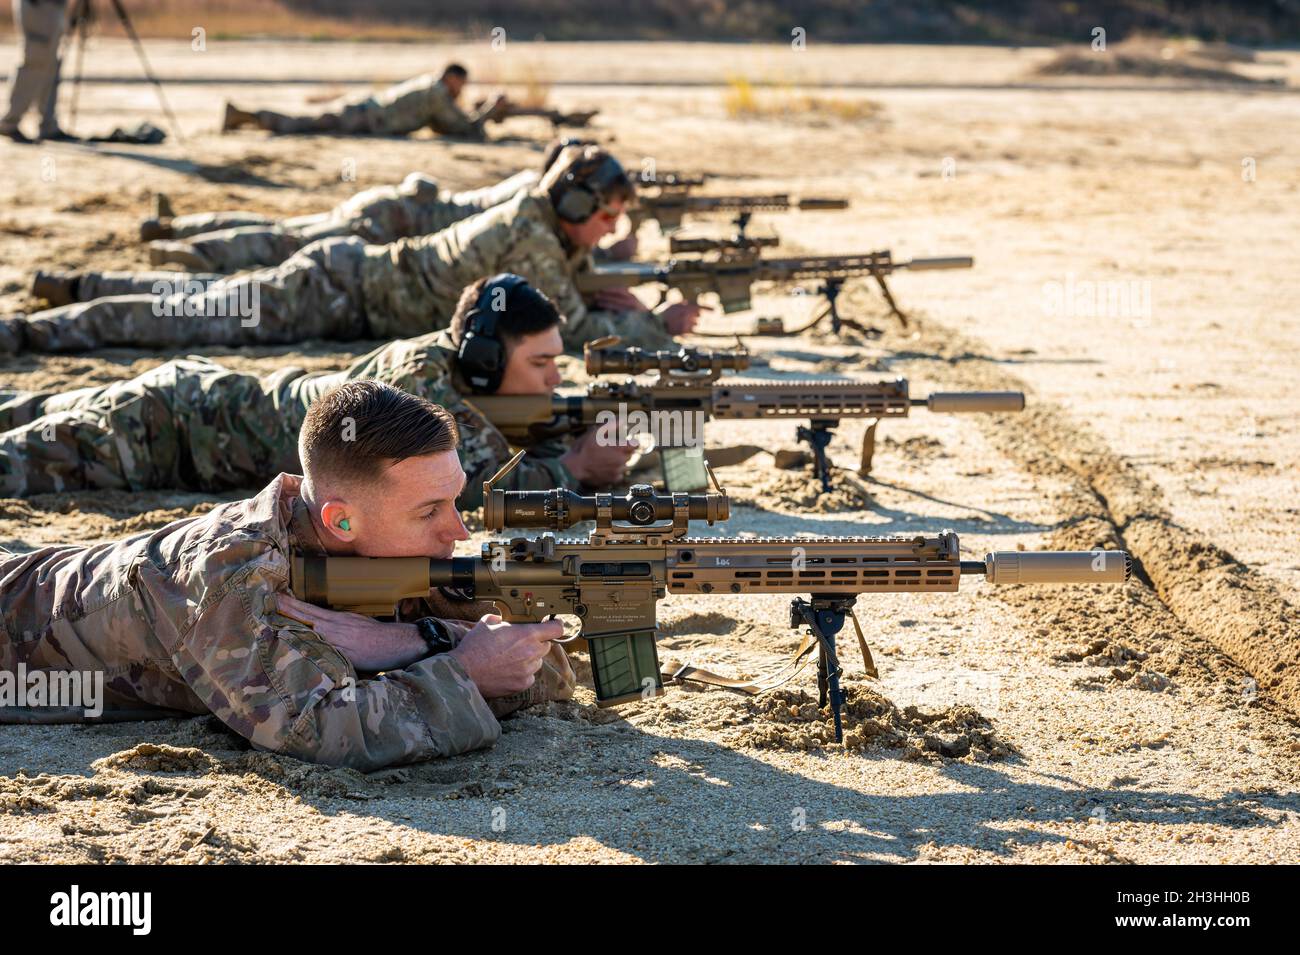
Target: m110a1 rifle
(639, 553)
(731, 276)
(554, 116)
(673, 406)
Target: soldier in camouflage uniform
(345, 289)
(194, 425)
(233, 241)
(397, 111)
(196, 617)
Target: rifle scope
(561, 509)
(634, 361)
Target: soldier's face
(601, 224)
(454, 85)
(530, 364)
(412, 512)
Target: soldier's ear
(338, 521)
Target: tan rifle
(639, 553)
(732, 275)
(674, 405)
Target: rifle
(639, 553)
(557, 118)
(731, 276)
(669, 206)
(674, 406)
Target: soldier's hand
(680, 317)
(370, 645)
(617, 300)
(503, 658)
(596, 462)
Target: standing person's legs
(49, 110)
(40, 23)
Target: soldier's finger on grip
(546, 632)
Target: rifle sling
(753, 687)
(717, 457)
(784, 675)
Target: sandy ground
(1151, 723)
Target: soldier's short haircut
(354, 433)
(455, 69)
(527, 312)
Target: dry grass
(783, 100)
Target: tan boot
(153, 229)
(235, 117)
(57, 288)
(162, 206)
(178, 253)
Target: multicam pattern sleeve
(273, 681)
(414, 284)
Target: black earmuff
(576, 202)
(481, 354)
(577, 195)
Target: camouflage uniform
(195, 425)
(184, 618)
(418, 102)
(229, 241)
(344, 289)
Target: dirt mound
(1154, 59)
(711, 622)
(801, 490)
(158, 758)
(792, 720)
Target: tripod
(79, 30)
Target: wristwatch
(435, 635)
